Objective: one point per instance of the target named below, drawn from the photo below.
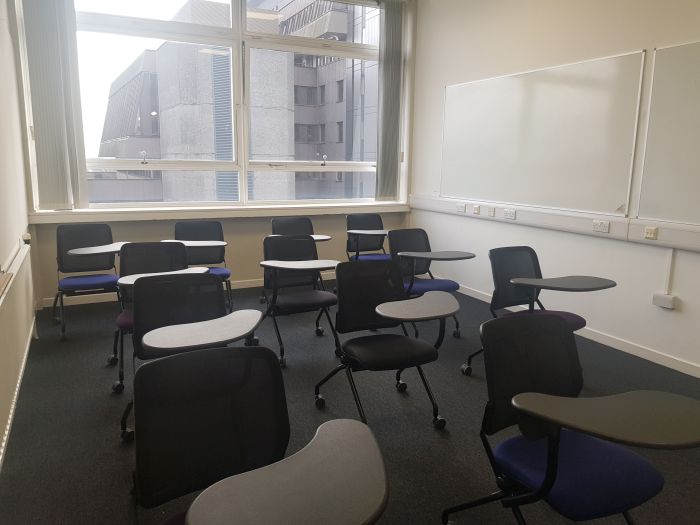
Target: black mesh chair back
(362, 285)
(70, 236)
(526, 354)
(409, 240)
(201, 231)
(289, 248)
(292, 226)
(507, 263)
(205, 415)
(364, 221)
(150, 257)
(164, 300)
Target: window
(341, 90)
(160, 94)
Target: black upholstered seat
(388, 352)
(305, 301)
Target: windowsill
(207, 212)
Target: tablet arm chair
(205, 255)
(374, 244)
(416, 240)
(165, 300)
(292, 226)
(68, 237)
(204, 415)
(280, 302)
(582, 477)
(135, 258)
(518, 261)
(362, 286)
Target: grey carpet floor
(66, 464)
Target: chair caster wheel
(456, 334)
(401, 386)
(127, 435)
(118, 387)
(252, 341)
(112, 360)
(319, 331)
(320, 402)
(262, 300)
(466, 369)
(283, 362)
(439, 423)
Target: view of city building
(175, 103)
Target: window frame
(240, 40)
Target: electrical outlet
(509, 213)
(461, 207)
(492, 212)
(476, 210)
(651, 233)
(601, 226)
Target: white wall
(16, 306)
(462, 40)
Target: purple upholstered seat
(219, 271)
(595, 478)
(371, 257)
(125, 321)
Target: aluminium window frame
(240, 41)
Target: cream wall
(16, 308)
(243, 253)
(462, 40)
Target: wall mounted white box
(664, 300)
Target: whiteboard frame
(646, 139)
(633, 153)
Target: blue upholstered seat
(98, 281)
(420, 286)
(595, 478)
(223, 273)
(371, 257)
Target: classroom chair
(292, 226)
(580, 476)
(510, 262)
(280, 302)
(68, 237)
(165, 300)
(362, 286)
(372, 244)
(141, 257)
(206, 256)
(416, 240)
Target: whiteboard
(561, 137)
(671, 176)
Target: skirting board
(6, 434)
(660, 358)
(46, 302)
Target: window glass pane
(205, 12)
(285, 126)
(315, 19)
(267, 185)
(154, 99)
(106, 186)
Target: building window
(173, 104)
(340, 85)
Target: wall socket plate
(461, 207)
(651, 233)
(476, 210)
(492, 212)
(601, 226)
(509, 213)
